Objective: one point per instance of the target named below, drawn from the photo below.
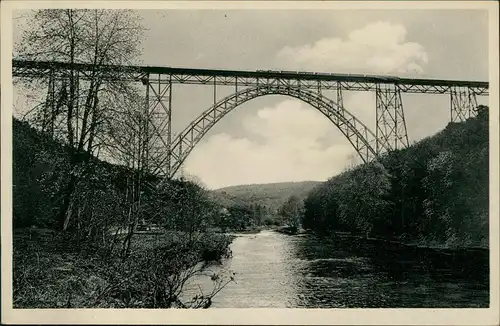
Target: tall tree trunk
(72, 83)
(65, 211)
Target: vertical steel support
(77, 103)
(215, 94)
(340, 98)
(159, 121)
(49, 109)
(472, 102)
(145, 116)
(236, 87)
(390, 121)
(463, 103)
(169, 127)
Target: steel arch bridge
(358, 134)
(167, 153)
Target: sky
(279, 139)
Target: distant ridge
(271, 184)
(271, 195)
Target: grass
(51, 272)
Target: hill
(269, 195)
(433, 193)
(42, 171)
(88, 255)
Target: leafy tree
(81, 106)
(240, 216)
(483, 112)
(292, 211)
(433, 192)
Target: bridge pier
(158, 116)
(49, 109)
(390, 121)
(340, 98)
(463, 103)
(58, 95)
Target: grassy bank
(50, 272)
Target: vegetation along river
(304, 271)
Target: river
(277, 270)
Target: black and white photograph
(222, 155)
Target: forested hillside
(99, 247)
(269, 195)
(41, 169)
(434, 193)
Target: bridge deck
(229, 77)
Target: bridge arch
(358, 134)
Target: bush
(47, 275)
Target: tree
(188, 207)
(78, 107)
(483, 112)
(240, 216)
(99, 117)
(292, 211)
(438, 183)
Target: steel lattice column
(49, 109)
(463, 103)
(159, 120)
(340, 97)
(390, 121)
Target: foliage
(86, 258)
(61, 182)
(185, 206)
(433, 193)
(79, 111)
(257, 205)
(47, 275)
(292, 211)
(271, 196)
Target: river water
(277, 270)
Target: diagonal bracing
(463, 103)
(390, 121)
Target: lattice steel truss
(164, 155)
(158, 111)
(390, 120)
(463, 103)
(47, 120)
(358, 134)
(307, 80)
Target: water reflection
(264, 278)
(276, 270)
(372, 274)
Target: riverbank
(290, 230)
(50, 271)
(280, 229)
(443, 248)
(250, 230)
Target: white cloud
(379, 47)
(292, 149)
(291, 141)
(288, 122)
